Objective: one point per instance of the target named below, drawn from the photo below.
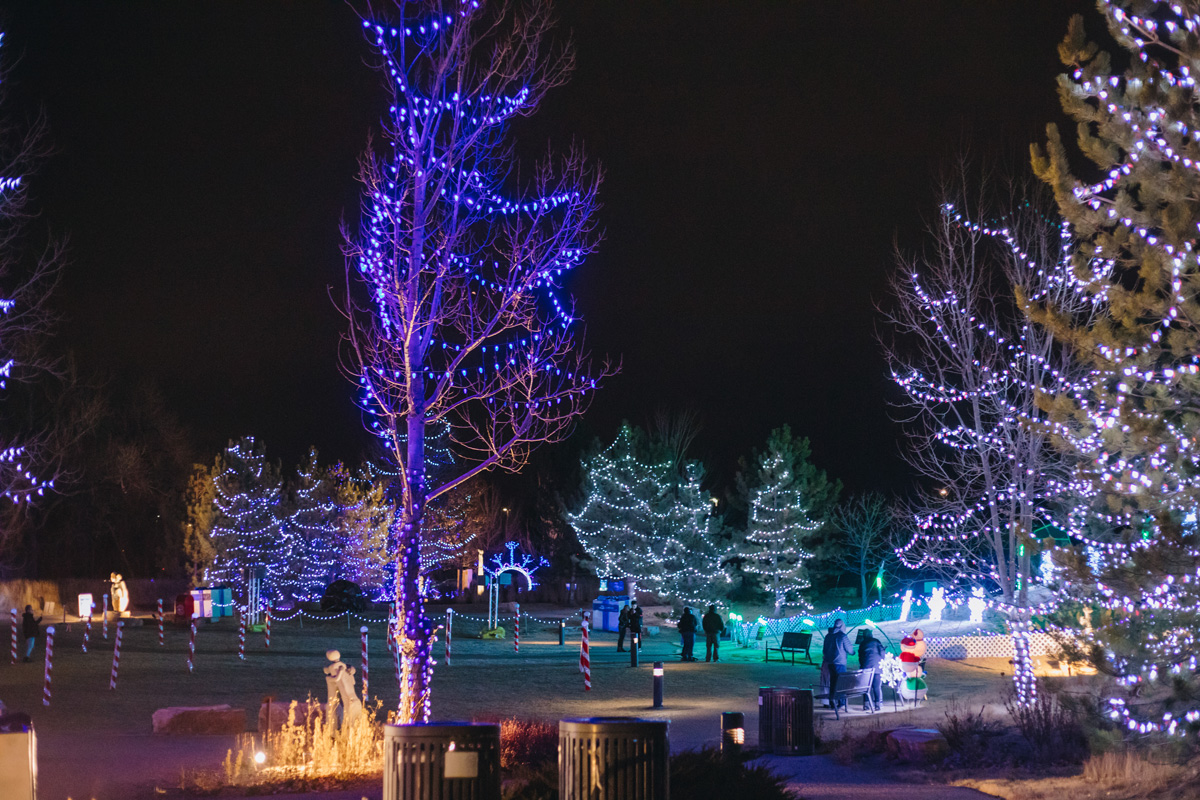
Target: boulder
(920, 745)
(305, 713)
(200, 720)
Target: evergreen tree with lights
(778, 520)
(249, 529)
(313, 525)
(365, 516)
(1133, 423)
(457, 309)
(646, 519)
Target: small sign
(616, 586)
(461, 764)
(86, 604)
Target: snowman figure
(937, 604)
(120, 594)
(912, 650)
(977, 604)
(339, 685)
(906, 605)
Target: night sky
(761, 159)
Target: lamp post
(658, 684)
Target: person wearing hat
(714, 626)
(635, 624)
(687, 629)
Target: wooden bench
(848, 685)
(793, 642)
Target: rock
(200, 720)
(922, 745)
(280, 711)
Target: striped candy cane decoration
(87, 629)
(517, 629)
(159, 614)
(116, 665)
(14, 636)
(104, 611)
(192, 648)
(366, 681)
(49, 665)
(585, 662)
(267, 630)
(449, 628)
(242, 634)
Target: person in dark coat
(834, 649)
(622, 628)
(687, 629)
(714, 626)
(870, 656)
(29, 626)
(635, 624)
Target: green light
(878, 581)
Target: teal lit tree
(457, 306)
(249, 528)
(312, 525)
(778, 521)
(646, 519)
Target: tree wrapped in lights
(646, 519)
(29, 451)
(313, 525)
(774, 490)
(248, 531)
(365, 516)
(1133, 421)
(463, 317)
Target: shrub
(527, 743)
(967, 734)
(1053, 729)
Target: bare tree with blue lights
(456, 299)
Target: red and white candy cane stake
(585, 662)
(159, 614)
(116, 665)
(242, 634)
(267, 630)
(366, 681)
(104, 611)
(517, 629)
(87, 629)
(449, 629)
(192, 647)
(14, 636)
(49, 665)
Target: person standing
(29, 626)
(635, 624)
(834, 649)
(687, 629)
(870, 656)
(622, 627)
(714, 626)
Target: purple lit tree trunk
(454, 288)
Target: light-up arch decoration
(515, 561)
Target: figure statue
(977, 604)
(120, 594)
(937, 604)
(906, 605)
(912, 650)
(339, 685)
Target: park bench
(846, 686)
(793, 642)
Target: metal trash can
(18, 758)
(613, 758)
(785, 721)
(441, 761)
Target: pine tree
(199, 516)
(458, 313)
(649, 522)
(364, 523)
(778, 520)
(1133, 423)
(248, 531)
(312, 526)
